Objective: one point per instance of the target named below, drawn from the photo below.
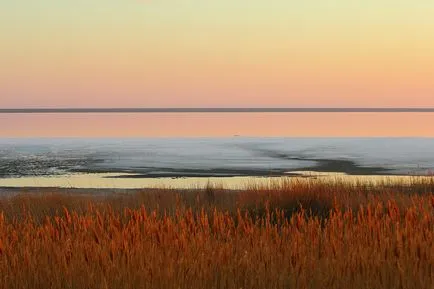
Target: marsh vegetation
(289, 235)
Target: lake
(363, 124)
(116, 149)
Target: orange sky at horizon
(226, 53)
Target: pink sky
(226, 53)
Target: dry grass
(299, 235)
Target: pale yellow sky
(225, 53)
(216, 53)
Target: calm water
(209, 145)
(218, 125)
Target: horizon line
(216, 110)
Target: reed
(286, 235)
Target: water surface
(135, 146)
(363, 124)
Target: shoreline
(119, 182)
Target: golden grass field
(308, 234)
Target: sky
(225, 53)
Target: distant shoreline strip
(212, 110)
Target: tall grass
(287, 235)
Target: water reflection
(217, 124)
